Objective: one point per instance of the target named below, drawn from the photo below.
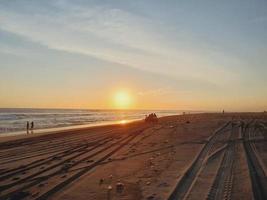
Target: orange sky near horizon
(126, 98)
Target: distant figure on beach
(242, 125)
(32, 125)
(151, 118)
(28, 126)
(223, 112)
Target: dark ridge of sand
(130, 161)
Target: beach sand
(131, 161)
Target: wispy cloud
(110, 33)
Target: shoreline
(39, 132)
(16, 135)
(64, 128)
(18, 127)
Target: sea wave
(15, 119)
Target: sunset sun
(123, 100)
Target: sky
(172, 54)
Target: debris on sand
(150, 162)
(56, 158)
(119, 187)
(66, 167)
(151, 197)
(109, 191)
(101, 181)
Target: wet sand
(179, 155)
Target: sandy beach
(198, 156)
(133, 100)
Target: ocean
(14, 119)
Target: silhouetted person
(242, 125)
(32, 125)
(151, 118)
(28, 126)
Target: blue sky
(205, 55)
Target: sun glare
(122, 100)
(123, 121)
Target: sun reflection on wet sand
(123, 121)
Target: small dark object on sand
(119, 187)
(101, 181)
(56, 158)
(151, 197)
(188, 122)
(66, 167)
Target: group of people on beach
(151, 118)
(29, 126)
